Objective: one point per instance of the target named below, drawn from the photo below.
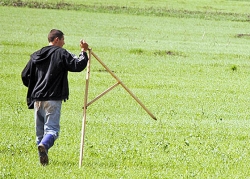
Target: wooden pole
(123, 85)
(85, 109)
(103, 93)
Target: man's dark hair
(54, 33)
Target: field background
(187, 61)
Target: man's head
(56, 38)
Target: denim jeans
(47, 118)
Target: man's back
(46, 74)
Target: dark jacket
(46, 73)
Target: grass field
(189, 64)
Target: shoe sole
(44, 160)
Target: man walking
(46, 76)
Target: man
(45, 75)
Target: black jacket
(46, 73)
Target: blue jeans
(47, 118)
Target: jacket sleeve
(75, 63)
(26, 74)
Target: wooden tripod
(86, 104)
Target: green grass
(191, 72)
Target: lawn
(189, 66)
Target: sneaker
(43, 155)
